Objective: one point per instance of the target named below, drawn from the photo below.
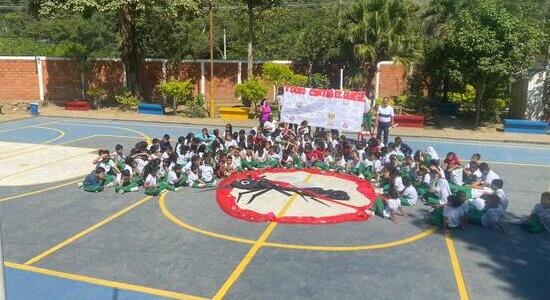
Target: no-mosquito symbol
(305, 196)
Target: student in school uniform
(454, 213)
(177, 178)
(493, 212)
(164, 143)
(125, 183)
(409, 195)
(539, 219)
(389, 208)
(207, 173)
(152, 186)
(439, 189)
(497, 189)
(104, 161)
(119, 156)
(96, 181)
(155, 143)
(487, 175)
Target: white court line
(517, 164)
(474, 142)
(25, 127)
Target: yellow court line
(86, 231)
(257, 245)
(39, 191)
(179, 222)
(461, 285)
(36, 147)
(145, 136)
(25, 127)
(103, 282)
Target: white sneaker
(134, 189)
(80, 184)
(361, 176)
(177, 189)
(121, 191)
(110, 185)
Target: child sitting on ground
(454, 213)
(152, 187)
(539, 219)
(389, 208)
(96, 181)
(409, 194)
(124, 183)
(177, 178)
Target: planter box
(525, 126)
(415, 121)
(234, 113)
(151, 109)
(77, 105)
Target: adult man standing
(384, 120)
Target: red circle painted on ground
(336, 211)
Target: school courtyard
(62, 243)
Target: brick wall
(18, 80)
(393, 80)
(61, 78)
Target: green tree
(82, 40)
(379, 30)
(178, 90)
(489, 46)
(259, 5)
(129, 14)
(318, 81)
(251, 91)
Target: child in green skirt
(539, 219)
(176, 178)
(152, 187)
(389, 208)
(125, 184)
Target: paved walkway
(494, 134)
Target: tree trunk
(480, 93)
(175, 105)
(250, 65)
(84, 85)
(130, 50)
(370, 71)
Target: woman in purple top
(264, 110)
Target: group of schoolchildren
(459, 193)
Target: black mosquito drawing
(262, 185)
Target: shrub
(96, 94)
(278, 74)
(195, 107)
(298, 80)
(251, 91)
(178, 90)
(126, 100)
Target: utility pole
(224, 45)
(211, 21)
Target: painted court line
(103, 282)
(145, 136)
(166, 212)
(39, 191)
(256, 247)
(29, 126)
(36, 147)
(86, 231)
(455, 264)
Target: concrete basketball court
(62, 243)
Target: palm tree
(380, 30)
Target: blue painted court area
(144, 254)
(23, 285)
